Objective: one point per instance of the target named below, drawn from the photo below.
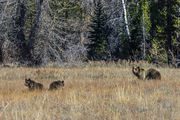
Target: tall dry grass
(92, 92)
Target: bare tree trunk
(34, 29)
(129, 41)
(169, 31)
(20, 23)
(125, 19)
(144, 38)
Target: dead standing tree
(8, 31)
(34, 33)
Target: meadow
(97, 91)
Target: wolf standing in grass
(150, 74)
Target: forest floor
(91, 92)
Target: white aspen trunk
(125, 19)
(144, 38)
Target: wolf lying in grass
(32, 85)
(150, 74)
(56, 85)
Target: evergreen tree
(136, 29)
(98, 34)
(172, 26)
(164, 29)
(146, 25)
(157, 31)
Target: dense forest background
(38, 32)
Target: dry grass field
(92, 92)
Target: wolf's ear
(63, 81)
(138, 68)
(25, 79)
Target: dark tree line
(37, 32)
(154, 32)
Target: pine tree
(136, 29)
(146, 25)
(157, 31)
(98, 34)
(164, 29)
(171, 27)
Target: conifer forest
(39, 32)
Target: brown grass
(92, 92)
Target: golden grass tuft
(92, 92)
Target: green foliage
(157, 31)
(98, 34)
(158, 52)
(172, 27)
(66, 9)
(164, 17)
(146, 11)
